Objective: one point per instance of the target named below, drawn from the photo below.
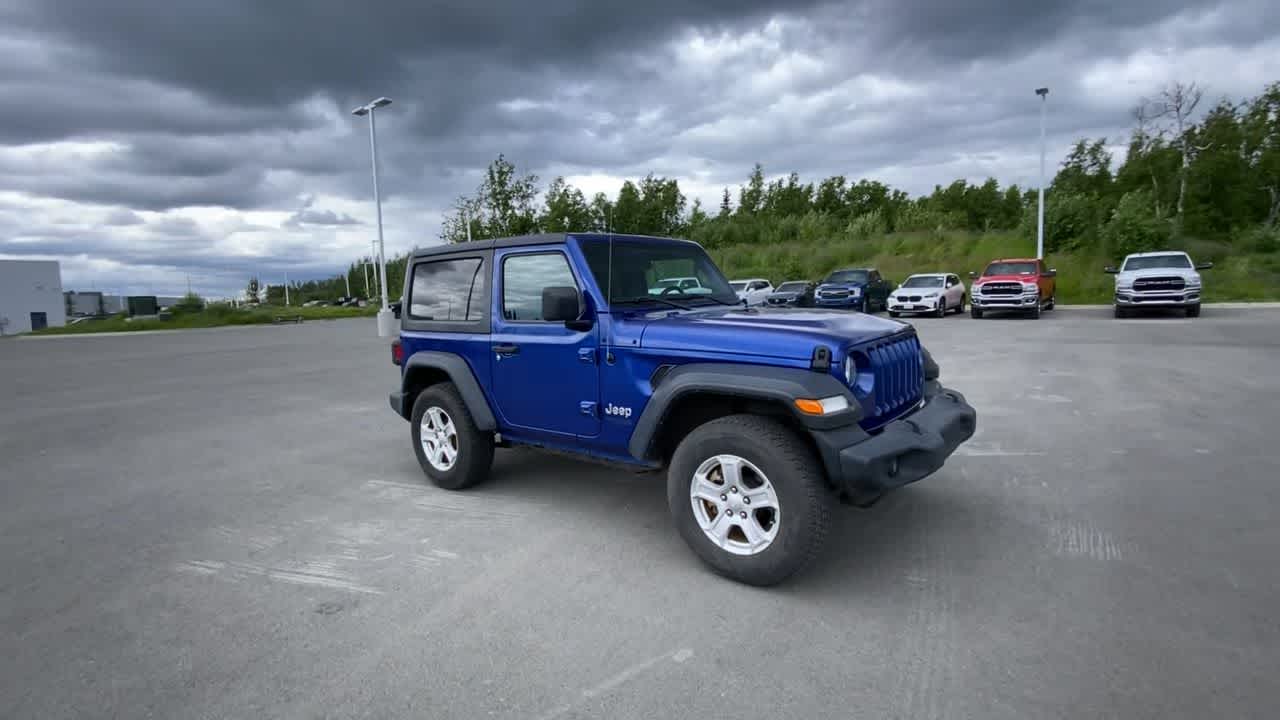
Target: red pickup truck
(1022, 285)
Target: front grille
(835, 294)
(1158, 284)
(777, 301)
(898, 368)
(1001, 288)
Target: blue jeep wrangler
(760, 416)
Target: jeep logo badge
(616, 411)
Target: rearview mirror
(1110, 270)
(560, 303)
(1204, 265)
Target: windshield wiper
(716, 299)
(649, 298)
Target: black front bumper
(908, 449)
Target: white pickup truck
(1166, 279)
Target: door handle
(507, 349)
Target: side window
(523, 279)
(685, 285)
(874, 276)
(446, 290)
(1043, 268)
(758, 285)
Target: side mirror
(973, 276)
(1110, 270)
(560, 303)
(396, 308)
(1204, 265)
(1051, 273)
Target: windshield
(1010, 268)
(648, 270)
(1152, 262)
(792, 287)
(923, 282)
(847, 276)
(738, 286)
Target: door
(877, 289)
(955, 291)
(545, 375)
(39, 321)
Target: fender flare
(460, 374)
(760, 382)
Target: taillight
(397, 352)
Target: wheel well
(695, 409)
(418, 379)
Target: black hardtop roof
(522, 240)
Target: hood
(1188, 275)
(786, 295)
(1006, 278)
(841, 286)
(785, 333)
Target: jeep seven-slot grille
(899, 375)
(1158, 283)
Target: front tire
(975, 312)
(452, 451)
(749, 498)
(1193, 310)
(960, 307)
(894, 313)
(941, 310)
(1037, 310)
(1121, 313)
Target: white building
(30, 296)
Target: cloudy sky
(143, 142)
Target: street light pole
(1044, 94)
(386, 321)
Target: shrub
(190, 303)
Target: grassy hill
(1237, 274)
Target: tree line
(1216, 177)
(1188, 174)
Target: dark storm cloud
(244, 104)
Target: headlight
(931, 294)
(855, 291)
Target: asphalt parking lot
(232, 523)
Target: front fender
(761, 382)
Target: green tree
(628, 210)
(830, 196)
(566, 209)
(726, 207)
(1261, 150)
(507, 200)
(189, 303)
(1134, 227)
(601, 210)
(751, 195)
(662, 205)
(1219, 198)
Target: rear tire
(456, 454)
(774, 465)
(975, 312)
(1193, 310)
(1053, 302)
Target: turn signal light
(397, 352)
(825, 406)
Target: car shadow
(890, 540)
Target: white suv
(754, 290)
(937, 293)
(1166, 279)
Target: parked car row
(1166, 279)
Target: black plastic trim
(762, 382)
(459, 372)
